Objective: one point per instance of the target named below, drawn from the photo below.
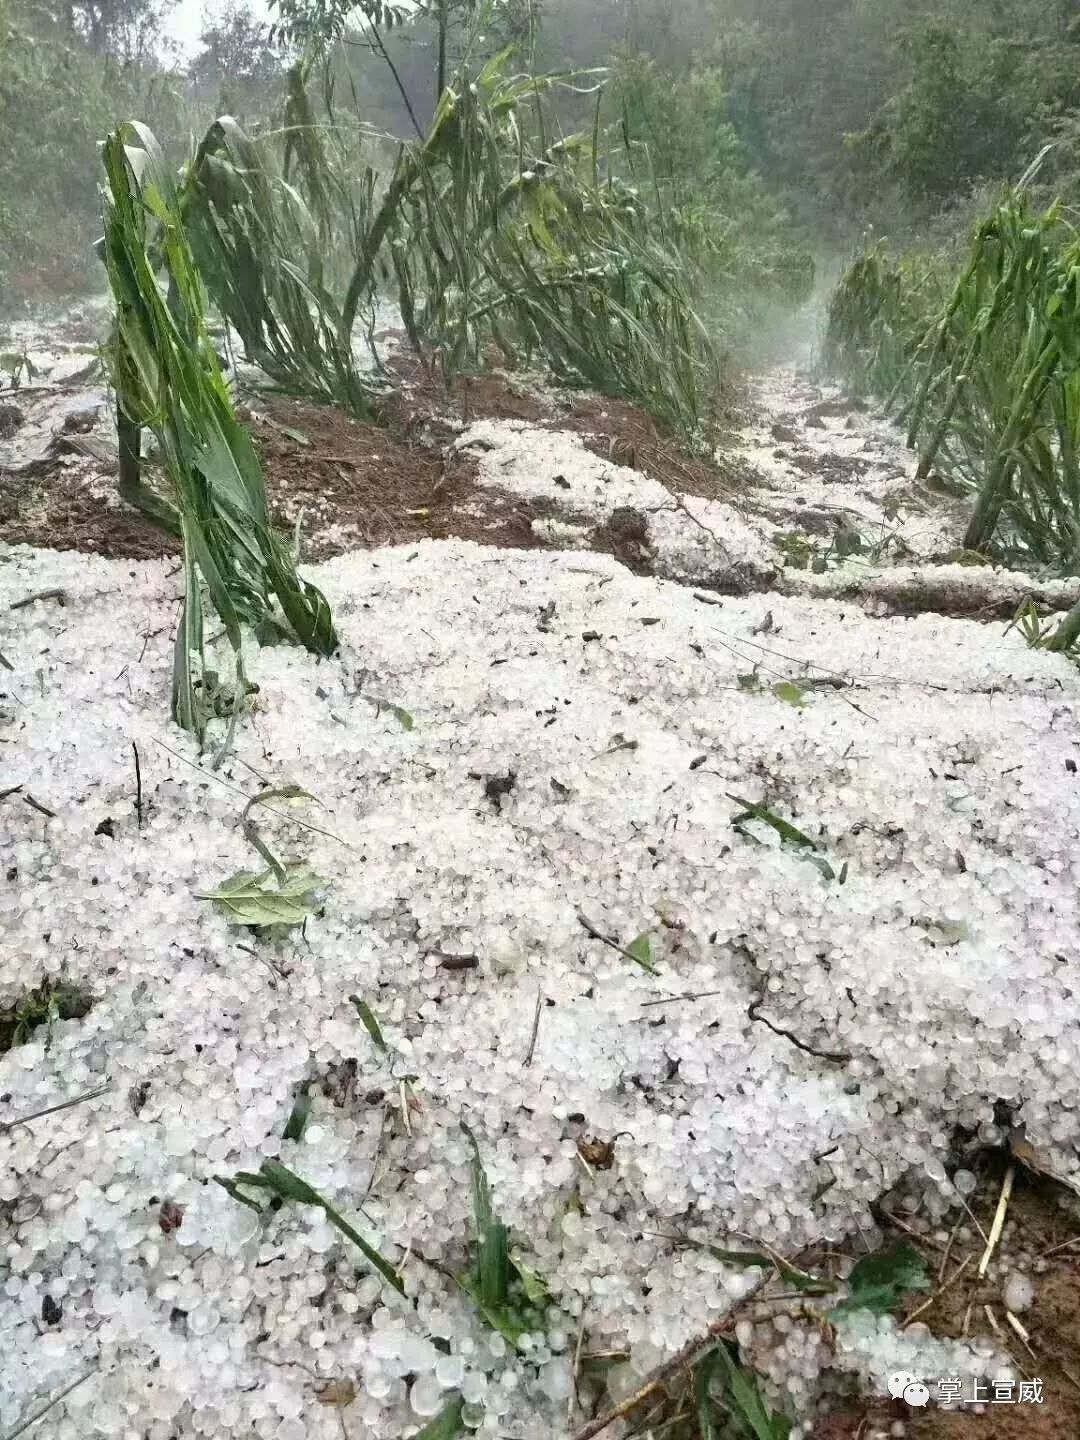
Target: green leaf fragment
(266, 898)
(371, 1025)
(447, 1425)
(533, 1283)
(944, 932)
(791, 692)
(640, 951)
(280, 1181)
(401, 715)
(298, 1117)
(878, 1282)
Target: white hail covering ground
(809, 465)
(945, 968)
(694, 539)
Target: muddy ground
(349, 482)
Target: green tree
(237, 68)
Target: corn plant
(260, 252)
(489, 230)
(502, 233)
(984, 374)
(169, 378)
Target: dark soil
(1038, 1222)
(55, 508)
(364, 484)
(392, 480)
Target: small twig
(1025, 1339)
(836, 1057)
(1063, 1246)
(999, 1220)
(38, 1414)
(948, 1248)
(138, 784)
(688, 1356)
(28, 799)
(54, 594)
(572, 1403)
(7, 1125)
(910, 1229)
(675, 999)
(680, 504)
(940, 1290)
(5, 662)
(971, 1215)
(535, 1028)
(293, 819)
(596, 934)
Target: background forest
(795, 124)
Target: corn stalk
(986, 377)
(487, 232)
(168, 378)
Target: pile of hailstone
(506, 743)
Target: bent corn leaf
(282, 1182)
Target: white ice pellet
(1019, 1292)
(942, 982)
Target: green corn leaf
(276, 792)
(494, 1266)
(704, 1372)
(482, 1211)
(747, 1401)
(282, 1182)
(755, 1259)
(786, 831)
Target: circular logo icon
(899, 1382)
(917, 1394)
